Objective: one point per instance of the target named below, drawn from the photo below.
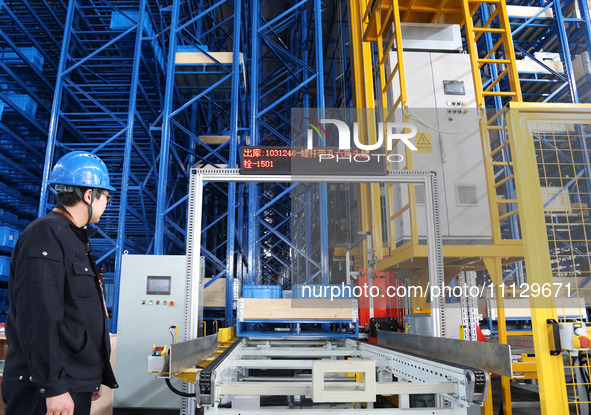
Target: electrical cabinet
(152, 298)
(442, 105)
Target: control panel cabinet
(442, 101)
(151, 299)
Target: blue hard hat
(80, 168)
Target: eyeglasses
(109, 198)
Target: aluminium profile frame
(415, 375)
(199, 177)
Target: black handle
(556, 333)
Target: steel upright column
(231, 223)
(55, 111)
(129, 142)
(166, 133)
(200, 124)
(320, 102)
(286, 72)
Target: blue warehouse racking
(30, 37)
(108, 95)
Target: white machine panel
(440, 92)
(433, 37)
(152, 295)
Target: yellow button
(581, 342)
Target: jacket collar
(83, 233)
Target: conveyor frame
(223, 379)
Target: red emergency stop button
(171, 303)
(581, 342)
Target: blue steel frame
(29, 50)
(106, 97)
(287, 71)
(202, 100)
(564, 35)
(30, 37)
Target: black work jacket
(56, 327)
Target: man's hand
(60, 405)
(97, 394)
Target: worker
(56, 328)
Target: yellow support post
(403, 99)
(495, 270)
(551, 381)
(384, 99)
(370, 214)
(486, 147)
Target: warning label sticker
(423, 142)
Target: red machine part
(385, 301)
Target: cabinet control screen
(454, 88)
(158, 285)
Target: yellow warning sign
(423, 143)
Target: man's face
(99, 204)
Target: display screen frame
(155, 286)
(454, 88)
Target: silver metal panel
(434, 36)
(418, 324)
(518, 344)
(156, 364)
(494, 358)
(187, 354)
(143, 325)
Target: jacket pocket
(80, 351)
(43, 264)
(83, 285)
(84, 365)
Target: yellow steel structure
(501, 56)
(544, 140)
(370, 213)
(508, 147)
(552, 387)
